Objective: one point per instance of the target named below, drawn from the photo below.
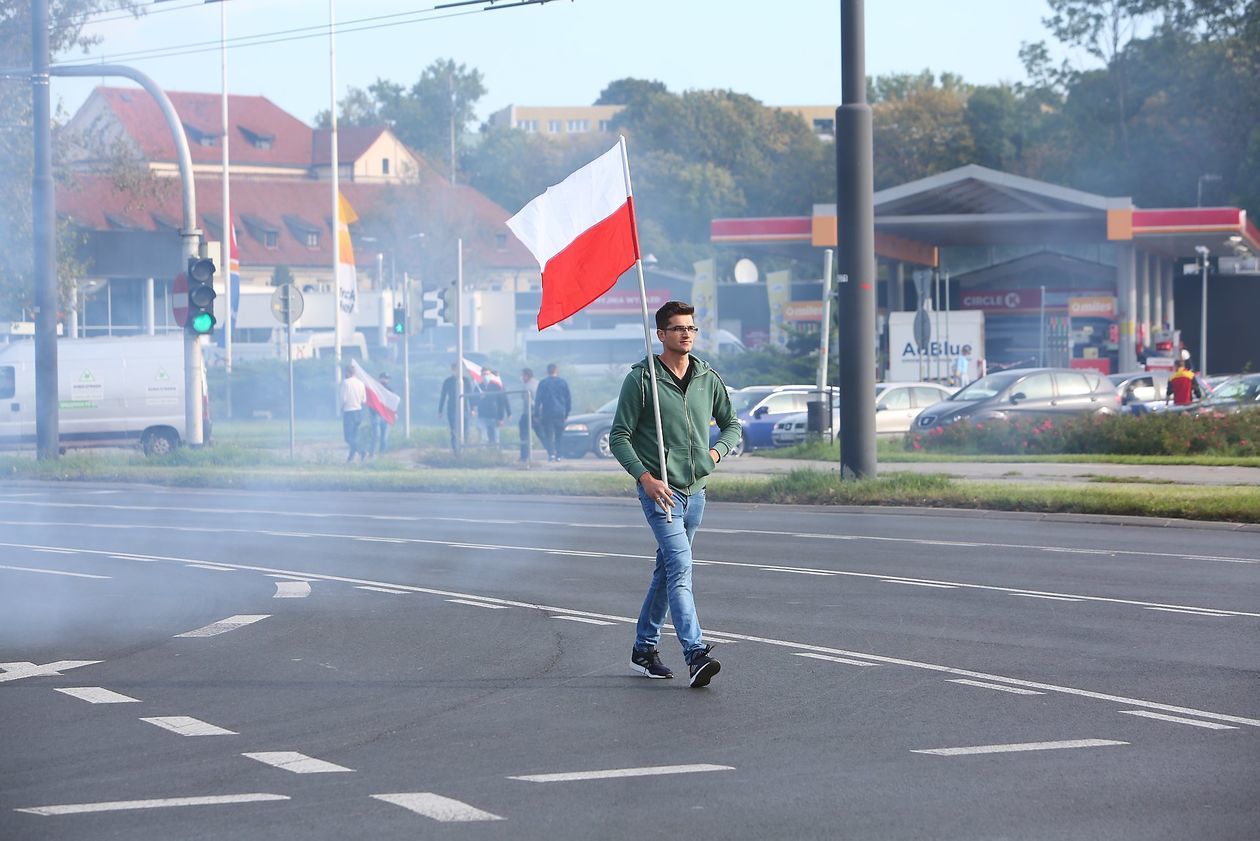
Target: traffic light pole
(406, 395)
(190, 234)
(43, 229)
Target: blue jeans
(350, 430)
(671, 579)
(380, 434)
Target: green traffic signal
(202, 323)
(400, 320)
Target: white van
(114, 391)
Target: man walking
(380, 426)
(352, 396)
(1183, 386)
(552, 405)
(449, 401)
(530, 387)
(691, 393)
(493, 407)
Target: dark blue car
(759, 408)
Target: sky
(782, 52)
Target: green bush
(1162, 434)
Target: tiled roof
(352, 142)
(256, 122)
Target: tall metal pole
(288, 329)
(1203, 258)
(459, 338)
(1041, 335)
(336, 192)
(406, 343)
(43, 241)
(225, 256)
(855, 236)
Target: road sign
(922, 328)
(287, 303)
(179, 298)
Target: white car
(896, 406)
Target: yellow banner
(779, 293)
(704, 299)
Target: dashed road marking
(96, 695)
(436, 806)
(615, 773)
(1019, 748)
(187, 726)
(1043, 596)
(292, 590)
(584, 619)
(1014, 690)
(1176, 719)
(58, 551)
(918, 583)
(23, 669)
(211, 567)
(298, 763)
(122, 805)
(1192, 612)
(53, 571)
(831, 659)
(381, 589)
(797, 571)
(225, 625)
(479, 604)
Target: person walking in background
(691, 394)
(530, 386)
(492, 408)
(552, 405)
(448, 401)
(352, 396)
(1183, 386)
(380, 425)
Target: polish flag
(379, 398)
(582, 233)
(479, 375)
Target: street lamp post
(1207, 176)
(1203, 264)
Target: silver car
(896, 406)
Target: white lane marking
(654, 771)
(733, 564)
(436, 806)
(96, 695)
(58, 551)
(290, 577)
(380, 539)
(831, 659)
(211, 567)
(298, 763)
(780, 643)
(122, 805)
(1189, 611)
(125, 557)
(1018, 748)
(53, 572)
(1044, 596)
(584, 619)
(768, 532)
(478, 604)
(187, 726)
(918, 583)
(380, 589)
(292, 590)
(24, 669)
(1014, 690)
(225, 625)
(797, 571)
(1176, 719)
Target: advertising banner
(1094, 306)
(779, 294)
(938, 359)
(1000, 300)
(704, 299)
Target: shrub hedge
(1161, 434)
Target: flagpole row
(647, 330)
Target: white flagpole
(647, 335)
(336, 194)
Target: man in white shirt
(353, 396)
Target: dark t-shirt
(686, 378)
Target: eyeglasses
(679, 329)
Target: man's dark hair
(671, 309)
(552, 368)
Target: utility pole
(43, 242)
(855, 238)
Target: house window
(579, 126)
(384, 166)
(826, 127)
(500, 242)
(312, 239)
(527, 125)
(605, 126)
(271, 239)
(553, 126)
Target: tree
(920, 127)
(625, 91)
(67, 20)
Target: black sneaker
(703, 668)
(649, 663)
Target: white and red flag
(582, 233)
(379, 398)
(478, 373)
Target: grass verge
(803, 487)
(890, 452)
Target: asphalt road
(212, 664)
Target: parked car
(896, 406)
(1232, 395)
(1142, 391)
(1024, 392)
(759, 408)
(588, 433)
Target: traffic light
(400, 320)
(201, 295)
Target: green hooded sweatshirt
(684, 420)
